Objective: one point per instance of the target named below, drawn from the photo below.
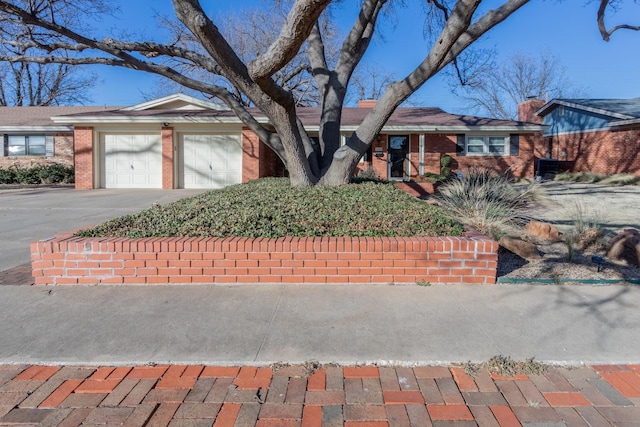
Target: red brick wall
(527, 111)
(83, 141)
(379, 164)
(258, 160)
(604, 152)
(63, 154)
(250, 156)
(167, 158)
(68, 260)
(531, 148)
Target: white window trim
(485, 146)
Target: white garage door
(211, 161)
(131, 161)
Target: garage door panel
(131, 160)
(211, 160)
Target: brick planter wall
(70, 260)
(418, 189)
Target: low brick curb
(64, 259)
(315, 396)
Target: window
(487, 145)
(26, 145)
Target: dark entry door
(398, 150)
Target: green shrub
(489, 202)
(56, 173)
(271, 208)
(53, 173)
(445, 170)
(445, 160)
(28, 175)
(7, 176)
(368, 174)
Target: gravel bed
(614, 208)
(555, 265)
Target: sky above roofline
(564, 29)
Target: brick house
(600, 136)
(30, 137)
(183, 142)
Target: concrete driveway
(30, 214)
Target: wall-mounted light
(165, 124)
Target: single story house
(183, 142)
(600, 136)
(31, 138)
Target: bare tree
(497, 89)
(37, 84)
(607, 5)
(28, 84)
(47, 27)
(368, 82)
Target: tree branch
(606, 34)
(316, 52)
(300, 21)
(193, 17)
(357, 42)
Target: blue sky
(566, 29)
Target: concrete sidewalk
(258, 325)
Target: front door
(398, 153)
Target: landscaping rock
(519, 247)
(543, 230)
(625, 247)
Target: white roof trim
(454, 129)
(634, 121)
(577, 132)
(183, 118)
(23, 129)
(550, 104)
(172, 98)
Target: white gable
(178, 101)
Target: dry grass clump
(506, 366)
(592, 178)
(489, 202)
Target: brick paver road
(366, 396)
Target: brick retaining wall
(66, 260)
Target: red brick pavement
(20, 275)
(362, 396)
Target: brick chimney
(367, 103)
(527, 110)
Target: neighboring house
(600, 136)
(30, 137)
(182, 142)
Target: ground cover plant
(272, 208)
